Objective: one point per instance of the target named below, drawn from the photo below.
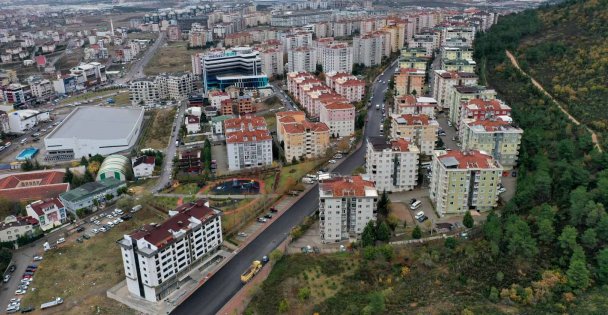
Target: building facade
(339, 117)
(50, 213)
(497, 137)
(239, 66)
(392, 165)
(155, 257)
(418, 129)
(464, 180)
(346, 205)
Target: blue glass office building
(239, 66)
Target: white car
(95, 231)
(61, 240)
(102, 229)
(20, 292)
(332, 161)
(37, 258)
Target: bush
(304, 293)
(417, 233)
(283, 306)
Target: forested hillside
(556, 224)
(569, 57)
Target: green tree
(383, 232)
(450, 243)
(578, 201)
(589, 238)
(283, 306)
(567, 240)
(602, 265)
(27, 166)
(383, 205)
(546, 231)
(69, 176)
(368, 237)
(578, 274)
(468, 220)
(376, 304)
(519, 238)
(303, 293)
(417, 232)
(602, 229)
(84, 162)
(595, 214)
(388, 252)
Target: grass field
(157, 133)
(191, 189)
(171, 58)
(81, 273)
(169, 203)
(121, 97)
(290, 175)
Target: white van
(23, 141)
(416, 205)
(419, 215)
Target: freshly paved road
(218, 290)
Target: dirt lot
(157, 133)
(171, 57)
(81, 273)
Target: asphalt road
(167, 168)
(218, 290)
(137, 69)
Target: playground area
(236, 186)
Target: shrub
(304, 293)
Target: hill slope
(569, 57)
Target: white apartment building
(346, 205)
(336, 57)
(410, 104)
(303, 59)
(463, 181)
(272, 61)
(418, 129)
(339, 117)
(248, 148)
(445, 80)
(392, 165)
(156, 256)
(297, 39)
(368, 49)
(20, 121)
(176, 86)
(42, 89)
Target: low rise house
(50, 213)
(143, 166)
(15, 227)
(418, 129)
(193, 124)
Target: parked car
(332, 161)
(80, 229)
(12, 268)
(97, 222)
(7, 278)
(262, 220)
(126, 217)
(27, 309)
(20, 292)
(95, 231)
(242, 234)
(102, 229)
(86, 236)
(268, 216)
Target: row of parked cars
(115, 218)
(24, 284)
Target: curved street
(217, 290)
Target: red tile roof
(161, 235)
(248, 136)
(487, 105)
(400, 145)
(346, 186)
(416, 119)
(338, 106)
(470, 159)
(193, 119)
(245, 123)
(34, 192)
(307, 125)
(40, 205)
(33, 185)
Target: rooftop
(245, 123)
(90, 189)
(353, 186)
(467, 160)
(41, 205)
(410, 119)
(99, 123)
(32, 185)
(161, 235)
(248, 136)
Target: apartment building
(197, 39)
(456, 53)
(300, 18)
(156, 256)
(428, 41)
(150, 91)
(410, 104)
(445, 80)
(346, 205)
(463, 93)
(238, 39)
(368, 49)
(460, 65)
(336, 57)
(464, 180)
(466, 33)
(302, 59)
(497, 137)
(248, 148)
(216, 97)
(420, 130)
(42, 89)
(347, 85)
(392, 165)
(297, 39)
(409, 81)
(480, 109)
(339, 117)
(414, 63)
(272, 61)
(89, 74)
(244, 123)
(301, 138)
(416, 52)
